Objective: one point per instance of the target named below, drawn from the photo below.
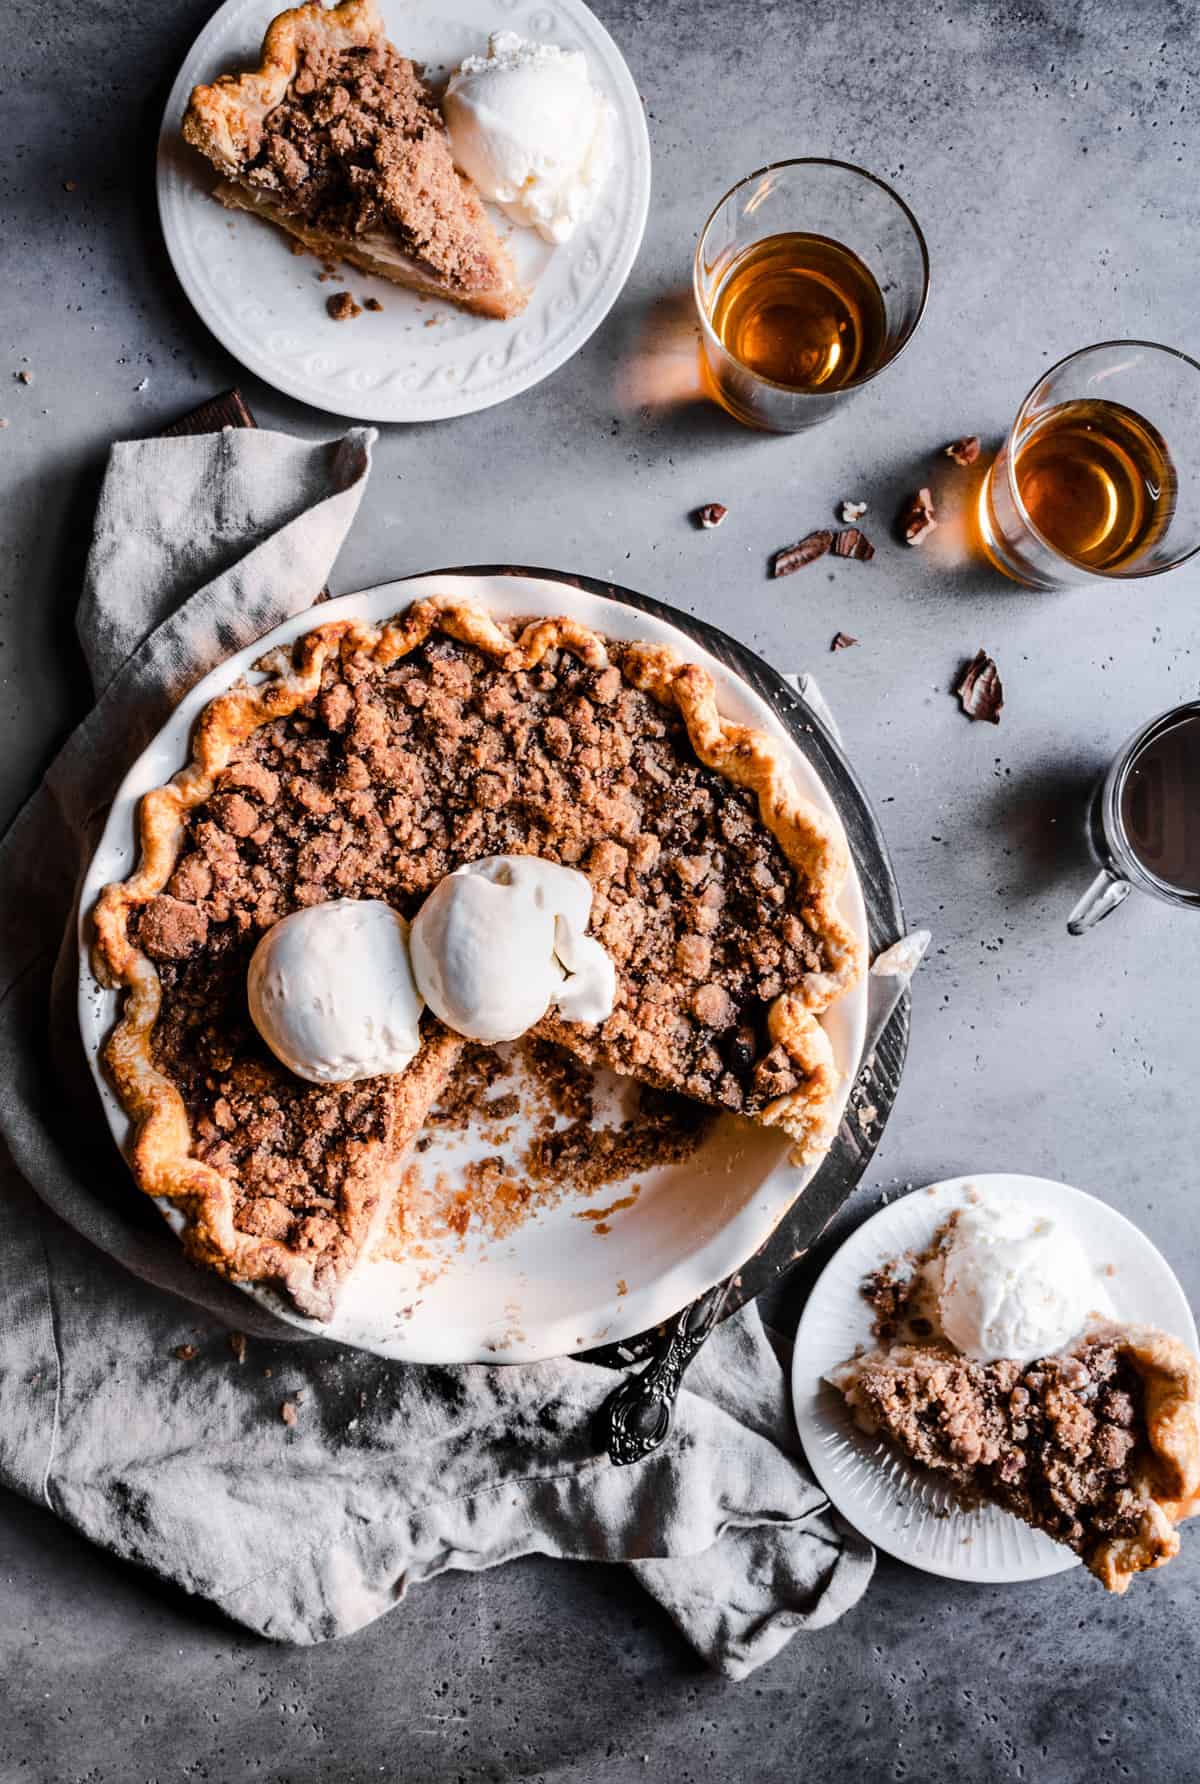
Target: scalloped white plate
(562, 1281)
(902, 1509)
(417, 360)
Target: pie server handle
(636, 1419)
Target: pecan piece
(853, 543)
(805, 551)
(710, 515)
(964, 451)
(981, 690)
(842, 641)
(916, 517)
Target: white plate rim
(175, 183)
(820, 1412)
(641, 1306)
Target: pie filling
(1061, 1442)
(390, 778)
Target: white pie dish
(419, 359)
(899, 1507)
(556, 1284)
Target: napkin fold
(124, 1406)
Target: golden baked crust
(162, 1147)
(225, 120)
(1168, 1477)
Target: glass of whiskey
(809, 277)
(1099, 478)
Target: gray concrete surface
(1047, 148)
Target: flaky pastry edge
(160, 1151)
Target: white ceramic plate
(899, 1507)
(266, 306)
(560, 1282)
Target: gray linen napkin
(386, 1475)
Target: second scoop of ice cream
(1014, 1283)
(499, 941)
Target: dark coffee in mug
(1160, 804)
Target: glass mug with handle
(1145, 820)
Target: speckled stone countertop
(1047, 150)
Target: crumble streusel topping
(359, 143)
(387, 781)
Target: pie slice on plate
(336, 138)
(1098, 1446)
(369, 763)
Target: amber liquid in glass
(1160, 805)
(1097, 482)
(802, 311)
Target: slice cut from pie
(1099, 1445)
(369, 763)
(336, 138)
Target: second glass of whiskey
(1099, 478)
(810, 276)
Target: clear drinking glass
(1144, 821)
(1150, 463)
(845, 208)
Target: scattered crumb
(710, 515)
(341, 307)
(25, 376)
(853, 510)
(842, 641)
(185, 1352)
(268, 1372)
(297, 247)
(3, 421)
(288, 1412)
(237, 1344)
(142, 385)
(68, 185)
(372, 303)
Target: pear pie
(370, 763)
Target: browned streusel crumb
(359, 143)
(393, 777)
(341, 307)
(372, 303)
(186, 1353)
(1053, 1441)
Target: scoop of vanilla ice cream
(527, 126)
(332, 993)
(1014, 1283)
(500, 940)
